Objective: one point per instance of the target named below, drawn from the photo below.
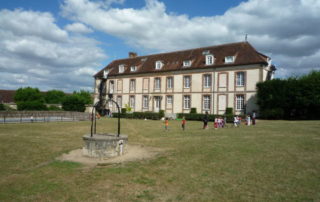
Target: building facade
(209, 79)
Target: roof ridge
(185, 50)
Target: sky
(61, 44)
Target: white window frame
(187, 63)
(187, 82)
(186, 102)
(133, 68)
(207, 81)
(206, 102)
(239, 102)
(132, 101)
(158, 65)
(132, 85)
(209, 59)
(157, 83)
(121, 68)
(111, 86)
(240, 79)
(145, 102)
(169, 99)
(229, 59)
(169, 82)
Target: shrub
(2, 108)
(193, 110)
(139, 115)
(161, 113)
(123, 110)
(229, 110)
(73, 103)
(31, 105)
(54, 108)
(196, 117)
(276, 113)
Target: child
(166, 123)
(183, 124)
(215, 124)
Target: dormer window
(159, 65)
(187, 63)
(229, 59)
(209, 59)
(121, 68)
(133, 68)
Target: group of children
(219, 122)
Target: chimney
(132, 54)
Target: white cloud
(35, 52)
(78, 27)
(287, 29)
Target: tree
(54, 97)
(28, 94)
(73, 103)
(292, 98)
(2, 108)
(84, 95)
(29, 99)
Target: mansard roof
(244, 54)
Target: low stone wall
(104, 145)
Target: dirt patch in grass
(134, 153)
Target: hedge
(140, 115)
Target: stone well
(104, 145)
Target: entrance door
(157, 103)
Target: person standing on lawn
(183, 123)
(166, 123)
(205, 121)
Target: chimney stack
(132, 54)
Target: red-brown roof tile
(6, 96)
(244, 52)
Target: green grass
(272, 161)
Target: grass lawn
(272, 161)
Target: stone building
(209, 79)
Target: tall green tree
(292, 98)
(84, 95)
(54, 96)
(29, 99)
(73, 103)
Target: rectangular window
(159, 65)
(186, 102)
(111, 86)
(239, 102)
(229, 59)
(119, 101)
(131, 101)
(206, 102)
(157, 83)
(119, 85)
(186, 81)
(240, 79)
(145, 84)
(145, 102)
(132, 85)
(121, 68)
(187, 63)
(207, 81)
(209, 59)
(133, 68)
(169, 100)
(169, 82)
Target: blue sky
(61, 44)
